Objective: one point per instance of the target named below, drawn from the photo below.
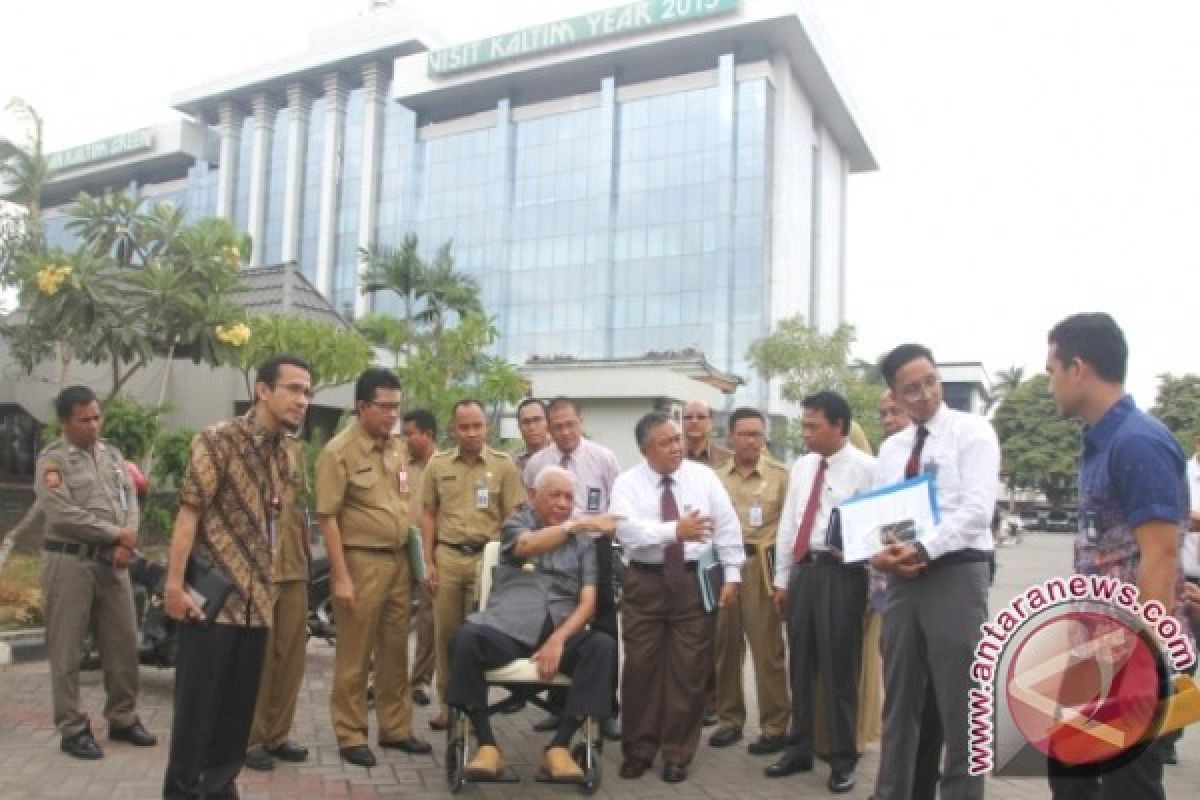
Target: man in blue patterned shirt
(1133, 502)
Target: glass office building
(645, 182)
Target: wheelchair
(521, 678)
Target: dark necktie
(913, 467)
(804, 532)
(673, 570)
(565, 461)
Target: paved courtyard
(31, 765)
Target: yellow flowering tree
(336, 355)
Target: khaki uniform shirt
(764, 488)
(454, 489)
(292, 553)
(85, 496)
(365, 483)
(713, 455)
(235, 481)
(416, 474)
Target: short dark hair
(268, 371)
(423, 419)
(1095, 338)
(745, 413)
(900, 356)
(647, 423)
(833, 406)
(466, 401)
(561, 401)
(530, 401)
(371, 381)
(70, 399)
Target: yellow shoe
(559, 765)
(487, 764)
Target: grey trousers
(930, 629)
(79, 592)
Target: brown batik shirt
(235, 480)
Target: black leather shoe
(610, 729)
(289, 751)
(134, 734)
(841, 781)
(547, 723)
(1170, 756)
(789, 764)
(420, 696)
(82, 745)
(766, 745)
(723, 737)
(260, 760)
(674, 773)
(360, 755)
(418, 747)
(633, 768)
(710, 718)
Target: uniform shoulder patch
(52, 475)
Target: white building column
(299, 100)
(335, 87)
(374, 80)
(229, 119)
(264, 108)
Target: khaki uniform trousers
(752, 619)
(376, 625)
(870, 691)
(424, 659)
(79, 592)
(283, 666)
(457, 575)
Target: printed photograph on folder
(906, 511)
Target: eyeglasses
(530, 420)
(694, 417)
(884, 413)
(915, 391)
(749, 434)
(385, 407)
(296, 389)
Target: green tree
(805, 360)
(336, 355)
(24, 171)
(1177, 405)
(387, 332)
(1040, 447)
(1006, 380)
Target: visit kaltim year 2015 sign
(576, 30)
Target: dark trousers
(587, 658)
(668, 656)
(1140, 779)
(216, 684)
(603, 621)
(826, 604)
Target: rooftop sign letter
(617, 21)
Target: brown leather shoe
(440, 722)
(560, 767)
(487, 764)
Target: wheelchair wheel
(588, 759)
(456, 752)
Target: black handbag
(208, 586)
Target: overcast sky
(1038, 157)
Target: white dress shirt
(963, 454)
(637, 497)
(593, 468)
(850, 471)
(1190, 557)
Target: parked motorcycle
(158, 634)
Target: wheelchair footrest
(545, 777)
(507, 775)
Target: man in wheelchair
(543, 594)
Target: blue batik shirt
(1132, 472)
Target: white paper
(907, 510)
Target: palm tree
(1006, 380)
(401, 271)
(24, 172)
(446, 291)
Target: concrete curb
(21, 647)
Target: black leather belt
(824, 558)
(968, 556)
(80, 549)
(466, 548)
(646, 566)
(383, 551)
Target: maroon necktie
(673, 553)
(804, 532)
(913, 467)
